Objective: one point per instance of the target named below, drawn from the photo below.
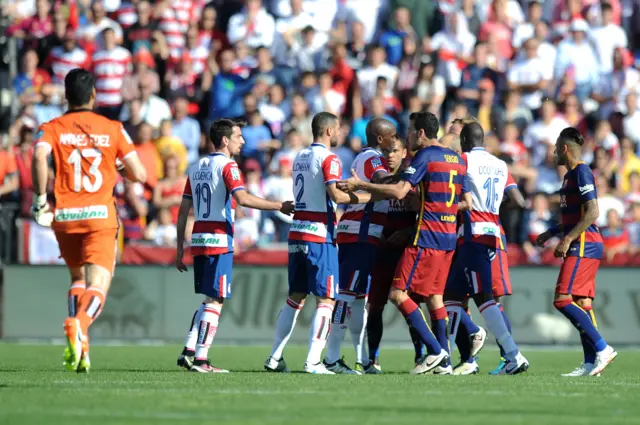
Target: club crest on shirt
(235, 173)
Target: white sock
(319, 331)
(357, 327)
(207, 330)
(285, 323)
(495, 322)
(454, 311)
(338, 327)
(192, 336)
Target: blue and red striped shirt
(441, 175)
(577, 189)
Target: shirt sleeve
(232, 177)
(373, 165)
(465, 184)
(586, 184)
(124, 145)
(418, 168)
(511, 183)
(12, 166)
(331, 169)
(45, 137)
(187, 189)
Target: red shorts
(500, 281)
(96, 247)
(578, 277)
(381, 277)
(423, 271)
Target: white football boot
(340, 367)
(430, 362)
(603, 358)
(582, 370)
(317, 369)
(515, 367)
(443, 370)
(273, 365)
(465, 368)
(477, 341)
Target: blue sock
(465, 320)
(418, 346)
(374, 333)
(462, 342)
(506, 322)
(589, 351)
(415, 318)
(581, 320)
(439, 322)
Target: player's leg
(381, 278)
(212, 278)
(501, 285)
(418, 347)
(412, 273)
(481, 282)
(76, 290)
(589, 350)
(576, 281)
(288, 316)
(358, 312)
(185, 359)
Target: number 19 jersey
(211, 183)
(315, 218)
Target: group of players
(423, 232)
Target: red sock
(90, 307)
(76, 291)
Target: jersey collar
(73, 111)
(319, 144)
(372, 149)
(478, 148)
(217, 154)
(577, 163)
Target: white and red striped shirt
(126, 15)
(174, 23)
(109, 68)
(62, 62)
(198, 55)
(365, 222)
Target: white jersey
(211, 183)
(315, 218)
(488, 179)
(365, 222)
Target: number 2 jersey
(211, 183)
(440, 174)
(314, 168)
(365, 222)
(85, 147)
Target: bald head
(471, 136)
(379, 129)
(451, 141)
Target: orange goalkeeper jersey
(85, 147)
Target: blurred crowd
(168, 68)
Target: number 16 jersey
(211, 183)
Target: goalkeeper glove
(41, 211)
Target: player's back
(85, 147)
(365, 222)
(487, 177)
(315, 217)
(441, 186)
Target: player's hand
(41, 211)
(400, 238)
(542, 238)
(562, 248)
(179, 263)
(351, 184)
(288, 208)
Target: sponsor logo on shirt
(293, 249)
(301, 227)
(205, 241)
(375, 163)
(451, 159)
(586, 189)
(449, 218)
(410, 170)
(87, 213)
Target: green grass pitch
(141, 385)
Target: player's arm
(127, 158)
(590, 215)
(11, 181)
(40, 177)
(515, 197)
(181, 225)
(340, 197)
(385, 191)
(235, 185)
(466, 199)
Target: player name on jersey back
(211, 183)
(315, 218)
(365, 222)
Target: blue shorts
(356, 262)
(471, 271)
(212, 275)
(313, 268)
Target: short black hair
(220, 128)
(472, 135)
(403, 141)
(571, 135)
(78, 87)
(427, 122)
(320, 123)
(606, 6)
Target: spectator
(549, 180)
(186, 128)
(184, 81)
(211, 38)
(162, 231)
(634, 228)
(36, 27)
(167, 195)
(167, 146)
(392, 105)
(267, 70)
(175, 16)
(633, 195)
(274, 109)
(227, 88)
(607, 37)
(513, 147)
(470, 12)
(376, 110)
(602, 165)
(604, 138)
(544, 132)
(8, 173)
(300, 119)
(135, 118)
(279, 187)
(471, 76)
(368, 77)
(527, 30)
(547, 52)
(132, 208)
(572, 113)
(292, 146)
(289, 26)
(28, 84)
(153, 109)
(148, 156)
(408, 67)
(629, 164)
(23, 154)
(356, 47)
(631, 121)
(499, 26)
(253, 25)
(256, 137)
(538, 220)
(197, 52)
(306, 54)
(577, 57)
(486, 112)
(160, 53)
(46, 110)
(66, 57)
(143, 64)
(513, 111)
(328, 99)
(139, 34)
(530, 76)
(614, 237)
(393, 39)
(607, 201)
(423, 15)
(347, 149)
(110, 66)
(99, 22)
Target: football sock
(338, 327)
(463, 344)
(589, 351)
(76, 291)
(285, 323)
(506, 322)
(418, 346)
(415, 318)
(439, 322)
(357, 321)
(374, 333)
(192, 336)
(581, 320)
(320, 328)
(497, 326)
(90, 307)
(207, 330)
